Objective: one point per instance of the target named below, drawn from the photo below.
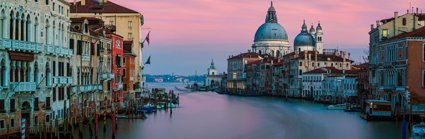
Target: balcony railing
(23, 86)
(22, 46)
(69, 80)
(86, 57)
(107, 76)
(56, 80)
(88, 88)
(58, 50)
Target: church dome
(304, 38)
(271, 32)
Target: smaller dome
(304, 39)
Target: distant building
(328, 84)
(236, 75)
(213, 78)
(295, 64)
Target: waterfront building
(117, 66)
(277, 77)
(129, 79)
(398, 71)
(363, 87)
(297, 63)
(383, 30)
(271, 38)
(213, 78)
(330, 85)
(236, 76)
(86, 41)
(127, 22)
(33, 37)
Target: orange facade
(415, 68)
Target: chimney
(395, 14)
(377, 23)
(83, 2)
(371, 26)
(315, 56)
(105, 1)
(305, 54)
(344, 56)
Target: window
(71, 44)
(2, 124)
(54, 94)
(301, 63)
(130, 36)
(12, 122)
(385, 33)
(36, 103)
(2, 105)
(404, 21)
(111, 22)
(423, 78)
(130, 24)
(47, 2)
(12, 105)
(423, 53)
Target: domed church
(309, 40)
(271, 38)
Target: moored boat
(418, 131)
(337, 107)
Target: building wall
(415, 68)
(121, 21)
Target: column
(13, 27)
(19, 29)
(24, 30)
(5, 30)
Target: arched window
(48, 75)
(28, 28)
(35, 38)
(11, 27)
(259, 52)
(2, 73)
(36, 78)
(2, 24)
(22, 27)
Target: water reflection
(213, 116)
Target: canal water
(207, 115)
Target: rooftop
(92, 6)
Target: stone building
(128, 24)
(34, 63)
(236, 75)
(400, 72)
(383, 30)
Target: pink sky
(194, 31)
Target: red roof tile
(92, 7)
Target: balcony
(59, 51)
(56, 80)
(69, 80)
(107, 76)
(20, 46)
(23, 86)
(88, 88)
(85, 57)
(63, 80)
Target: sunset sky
(187, 34)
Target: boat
(418, 131)
(337, 107)
(122, 116)
(352, 108)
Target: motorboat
(418, 131)
(337, 107)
